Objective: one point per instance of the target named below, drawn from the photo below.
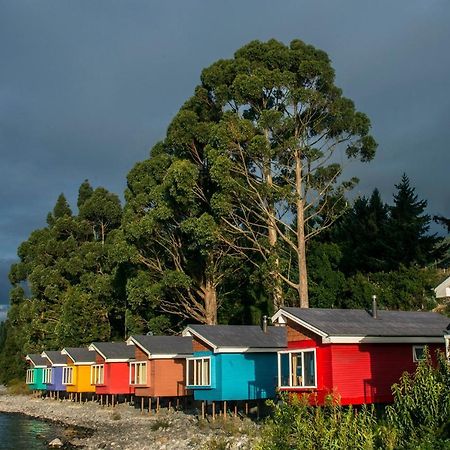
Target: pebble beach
(91, 426)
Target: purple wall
(57, 380)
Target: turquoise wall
(240, 376)
(38, 380)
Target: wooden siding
(297, 333)
(139, 354)
(199, 346)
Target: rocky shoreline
(91, 426)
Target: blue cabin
(233, 362)
(53, 375)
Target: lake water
(20, 432)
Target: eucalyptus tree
(274, 151)
(170, 223)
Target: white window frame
(139, 378)
(296, 352)
(47, 376)
(67, 375)
(97, 374)
(30, 376)
(201, 379)
(417, 347)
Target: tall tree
(273, 152)
(170, 223)
(410, 241)
(85, 191)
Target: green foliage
(418, 418)
(421, 409)
(298, 425)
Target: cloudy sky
(87, 87)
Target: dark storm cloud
(86, 88)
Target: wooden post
(178, 403)
(257, 410)
(235, 410)
(113, 399)
(157, 404)
(246, 408)
(214, 410)
(142, 404)
(170, 404)
(57, 395)
(203, 409)
(149, 405)
(225, 410)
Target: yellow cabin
(77, 373)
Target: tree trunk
(301, 245)
(277, 294)
(210, 303)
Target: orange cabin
(159, 368)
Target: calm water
(19, 432)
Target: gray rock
(55, 443)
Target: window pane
(418, 353)
(191, 379)
(310, 369)
(297, 369)
(284, 363)
(206, 372)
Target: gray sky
(87, 87)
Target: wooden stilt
(257, 409)
(170, 405)
(149, 405)
(235, 410)
(57, 395)
(225, 410)
(178, 403)
(157, 404)
(203, 409)
(246, 408)
(214, 410)
(142, 404)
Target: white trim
(301, 351)
(382, 340)
(202, 375)
(447, 346)
(281, 313)
(247, 349)
(414, 348)
(97, 373)
(29, 379)
(188, 331)
(132, 380)
(92, 347)
(67, 375)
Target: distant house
(54, 371)
(110, 373)
(443, 289)
(353, 354)
(35, 377)
(233, 362)
(77, 372)
(159, 366)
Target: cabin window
(297, 369)
(418, 353)
(67, 375)
(48, 375)
(199, 371)
(30, 376)
(97, 373)
(138, 373)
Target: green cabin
(36, 373)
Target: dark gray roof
(359, 322)
(80, 355)
(115, 350)
(242, 335)
(165, 345)
(55, 357)
(37, 359)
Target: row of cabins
(355, 355)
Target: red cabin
(353, 354)
(110, 373)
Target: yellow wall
(81, 379)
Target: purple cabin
(54, 371)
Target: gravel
(92, 426)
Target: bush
(421, 409)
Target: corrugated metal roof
(115, 350)
(55, 357)
(242, 336)
(165, 345)
(359, 322)
(80, 354)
